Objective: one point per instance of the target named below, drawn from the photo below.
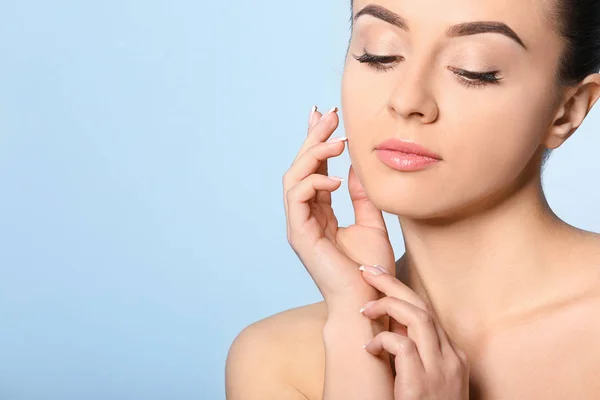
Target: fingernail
(374, 270)
(381, 268)
(367, 305)
(328, 113)
(312, 112)
(366, 344)
(337, 178)
(337, 139)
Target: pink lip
(407, 147)
(405, 156)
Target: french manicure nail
(381, 268)
(312, 112)
(337, 139)
(367, 305)
(328, 113)
(374, 270)
(337, 178)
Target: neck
(494, 264)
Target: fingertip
(315, 117)
(312, 114)
(374, 270)
(365, 346)
(333, 110)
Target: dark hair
(578, 23)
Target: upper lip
(407, 147)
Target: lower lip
(403, 161)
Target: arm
(253, 370)
(351, 373)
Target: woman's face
(489, 136)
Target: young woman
(450, 110)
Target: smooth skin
(427, 365)
(414, 333)
(511, 284)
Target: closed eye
(377, 62)
(468, 78)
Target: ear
(572, 111)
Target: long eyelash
(468, 78)
(473, 79)
(377, 62)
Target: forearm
(351, 373)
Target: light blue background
(142, 146)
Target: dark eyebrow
(462, 29)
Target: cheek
(494, 149)
(365, 96)
(500, 134)
(357, 97)
(361, 113)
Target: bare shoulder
(280, 357)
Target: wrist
(350, 305)
(344, 323)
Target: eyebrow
(462, 29)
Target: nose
(412, 97)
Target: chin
(430, 203)
(423, 198)
(413, 207)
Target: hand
(331, 254)
(427, 364)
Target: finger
(308, 162)
(298, 196)
(365, 212)
(408, 364)
(322, 169)
(445, 344)
(426, 302)
(392, 286)
(306, 165)
(322, 197)
(419, 323)
(453, 349)
(314, 117)
(321, 131)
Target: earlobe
(561, 128)
(558, 135)
(572, 112)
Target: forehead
(530, 19)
